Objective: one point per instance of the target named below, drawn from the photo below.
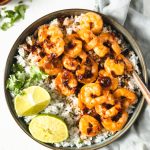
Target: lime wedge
(32, 100)
(48, 129)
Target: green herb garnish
(0, 16)
(5, 26)
(9, 13)
(20, 10)
(3, 8)
(14, 15)
(20, 79)
(20, 2)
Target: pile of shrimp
(88, 63)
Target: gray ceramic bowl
(46, 19)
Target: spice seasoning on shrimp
(104, 81)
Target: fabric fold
(116, 9)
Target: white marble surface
(11, 135)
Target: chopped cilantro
(20, 10)
(6, 25)
(3, 8)
(20, 79)
(9, 13)
(0, 16)
(14, 15)
(17, 67)
(20, 2)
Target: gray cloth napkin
(135, 16)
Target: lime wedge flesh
(32, 100)
(48, 129)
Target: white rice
(20, 60)
(54, 22)
(134, 59)
(69, 30)
(21, 52)
(29, 118)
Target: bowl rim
(136, 49)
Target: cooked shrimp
(54, 31)
(87, 75)
(49, 66)
(89, 126)
(115, 123)
(52, 38)
(105, 42)
(90, 95)
(43, 33)
(49, 31)
(91, 21)
(101, 50)
(107, 98)
(128, 64)
(87, 71)
(73, 45)
(126, 95)
(107, 110)
(70, 63)
(81, 105)
(90, 39)
(54, 47)
(66, 83)
(107, 81)
(114, 67)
